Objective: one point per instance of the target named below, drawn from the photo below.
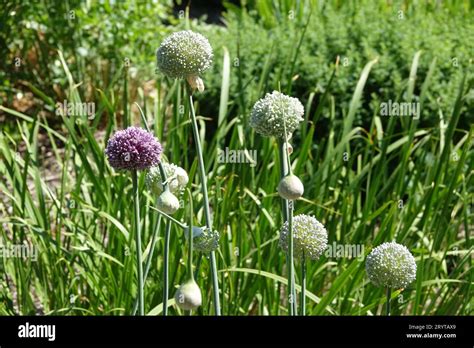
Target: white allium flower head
(205, 240)
(309, 236)
(391, 265)
(271, 114)
(176, 176)
(183, 54)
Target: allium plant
(310, 239)
(391, 265)
(135, 149)
(278, 115)
(277, 111)
(187, 54)
(188, 296)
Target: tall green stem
(141, 305)
(190, 274)
(156, 232)
(389, 294)
(149, 258)
(288, 216)
(291, 273)
(207, 214)
(166, 262)
(166, 255)
(303, 286)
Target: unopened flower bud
(188, 296)
(290, 187)
(167, 202)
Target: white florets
(184, 53)
(271, 114)
(309, 237)
(205, 240)
(391, 265)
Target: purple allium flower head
(133, 149)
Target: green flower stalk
(161, 179)
(207, 212)
(391, 265)
(188, 296)
(174, 205)
(135, 149)
(187, 54)
(279, 115)
(152, 183)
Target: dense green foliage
(393, 35)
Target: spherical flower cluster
(273, 113)
(309, 237)
(184, 53)
(133, 149)
(176, 176)
(205, 240)
(391, 265)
